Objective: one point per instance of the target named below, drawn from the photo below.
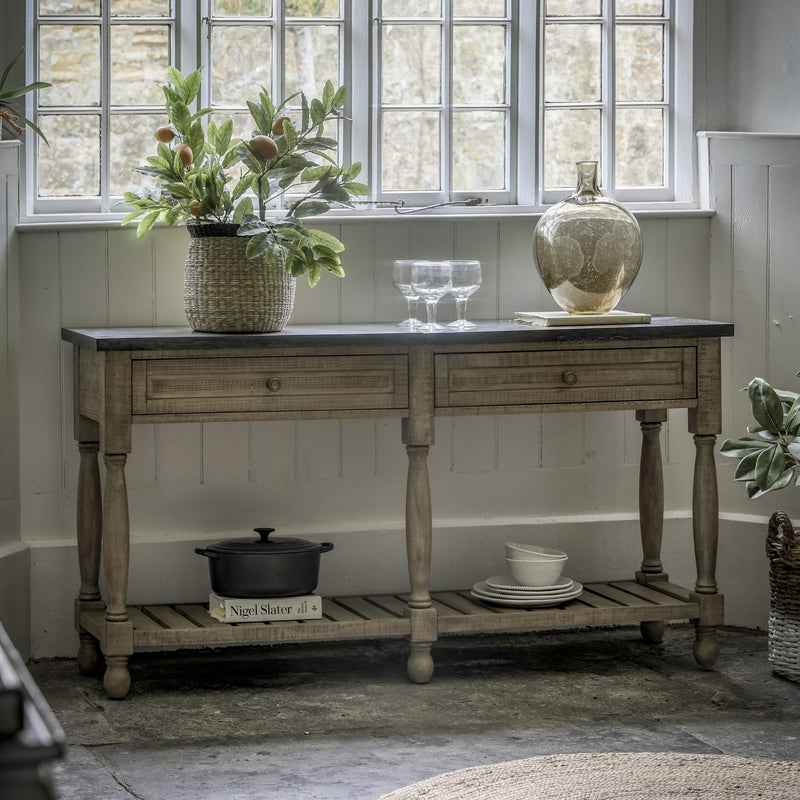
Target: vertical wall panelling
(319, 449)
(783, 324)
(520, 286)
(358, 448)
(648, 293)
(687, 289)
(169, 255)
(480, 240)
(9, 407)
(358, 288)
(323, 302)
(226, 454)
(392, 241)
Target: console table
(129, 376)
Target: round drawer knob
(570, 378)
(273, 384)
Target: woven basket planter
(225, 292)
(783, 552)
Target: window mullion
(609, 94)
(105, 104)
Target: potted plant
(11, 120)
(241, 267)
(769, 459)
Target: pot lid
(265, 544)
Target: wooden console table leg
(705, 514)
(116, 536)
(90, 531)
(418, 543)
(651, 509)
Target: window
(450, 99)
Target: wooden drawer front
(219, 385)
(580, 376)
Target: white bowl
(532, 552)
(544, 572)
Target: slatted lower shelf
(379, 616)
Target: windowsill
(46, 222)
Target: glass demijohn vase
(587, 248)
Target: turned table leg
(89, 529)
(119, 630)
(418, 544)
(651, 510)
(705, 515)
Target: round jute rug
(615, 776)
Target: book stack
(264, 609)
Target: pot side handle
(201, 551)
(325, 547)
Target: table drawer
(564, 377)
(266, 384)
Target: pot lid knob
(264, 534)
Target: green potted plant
(208, 180)
(10, 117)
(769, 459)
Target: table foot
(420, 663)
(652, 631)
(117, 679)
(89, 658)
(706, 649)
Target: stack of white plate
(503, 590)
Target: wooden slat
(365, 609)
(461, 601)
(141, 622)
(618, 595)
(337, 613)
(673, 590)
(199, 615)
(169, 617)
(390, 602)
(594, 600)
(645, 592)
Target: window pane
(319, 8)
(640, 62)
(130, 8)
(410, 151)
(243, 8)
(69, 58)
(479, 8)
(640, 147)
(479, 150)
(640, 8)
(573, 8)
(411, 8)
(131, 143)
(412, 57)
(71, 7)
(139, 61)
(570, 135)
(70, 166)
(572, 63)
(479, 64)
(312, 57)
(231, 47)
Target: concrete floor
(340, 721)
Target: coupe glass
(466, 281)
(401, 278)
(431, 280)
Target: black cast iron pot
(264, 567)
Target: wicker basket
(225, 292)
(783, 552)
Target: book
(547, 319)
(264, 609)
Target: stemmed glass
(401, 278)
(431, 280)
(466, 281)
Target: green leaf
(746, 468)
(245, 207)
(360, 189)
(317, 112)
(326, 239)
(766, 405)
(737, 448)
(327, 96)
(181, 117)
(196, 139)
(792, 421)
(191, 86)
(10, 94)
(10, 66)
(304, 114)
(260, 117)
(147, 223)
(314, 273)
(340, 98)
(224, 133)
(310, 208)
(769, 466)
(176, 78)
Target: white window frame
(189, 47)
